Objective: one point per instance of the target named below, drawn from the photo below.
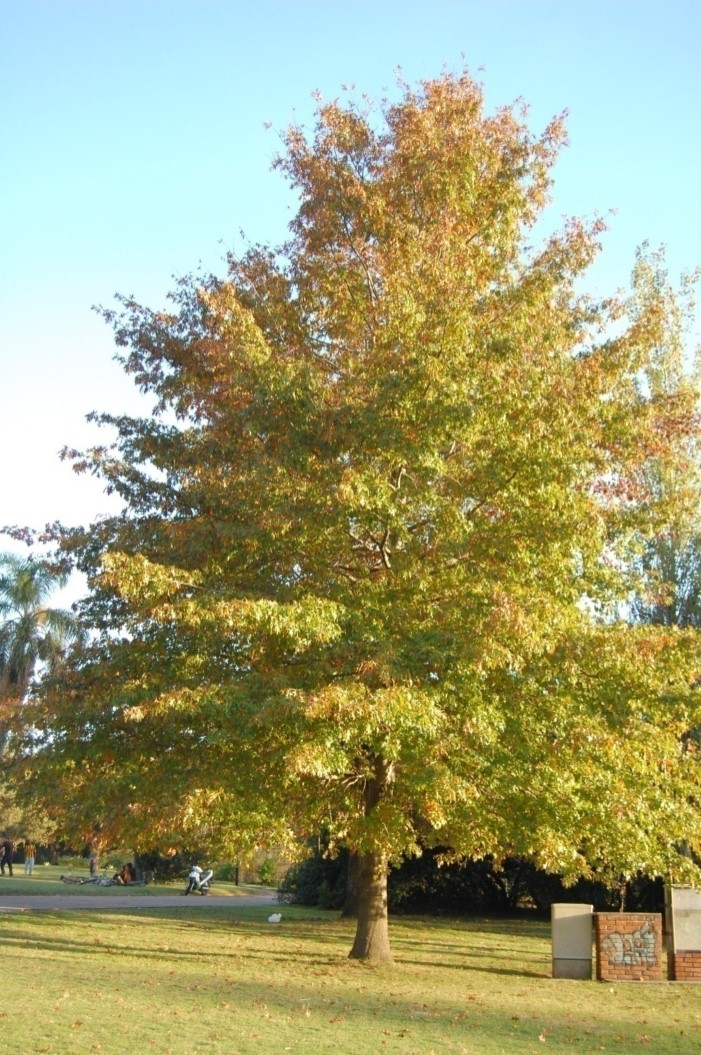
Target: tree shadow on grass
(508, 927)
(517, 972)
(408, 952)
(466, 950)
(92, 947)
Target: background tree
(377, 534)
(671, 559)
(31, 633)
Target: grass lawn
(225, 981)
(48, 881)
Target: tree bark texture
(10, 703)
(372, 933)
(350, 904)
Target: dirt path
(102, 903)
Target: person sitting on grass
(126, 875)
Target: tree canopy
(378, 533)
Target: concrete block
(571, 929)
(685, 919)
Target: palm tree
(30, 632)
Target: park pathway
(102, 903)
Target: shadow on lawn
(333, 936)
(517, 972)
(428, 1010)
(246, 931)
(508, 927)
(467, 957)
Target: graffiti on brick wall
(636, 949)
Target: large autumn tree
(377, 534)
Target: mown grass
(226, 981)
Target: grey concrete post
(572, 940)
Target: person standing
(7, 850)
(29, 855)
(94, 861)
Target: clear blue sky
(134, 149)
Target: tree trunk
(350, 904)
(372, 933)
(10, 703)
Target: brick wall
(628, 946)
(684, 966)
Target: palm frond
(30, 632)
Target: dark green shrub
(267, 871)
(317, 880)
(420, 884)
(226, 872)
(166, 867)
